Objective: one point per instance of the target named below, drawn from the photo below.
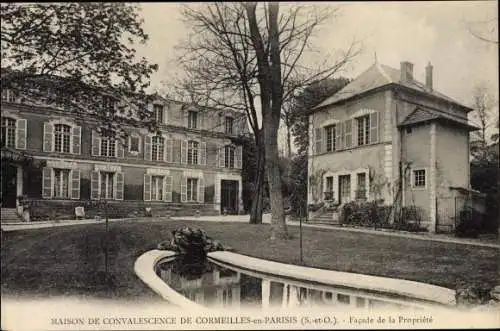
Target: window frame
(414, 179)
(138, 144)
(193, 147)
(61, 183)
(157, 184)
(227, 153)
(159, 151)
(330, 134)
(193, 197)
(159, 109)
(229, 125)
(364, 123)
(113, 179)
(192, 119)
(63, 134)
(8, 129)
(363, 188)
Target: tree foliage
(79, 57)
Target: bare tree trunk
(289, 138)
(258, 196)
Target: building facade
(387, 137)
(193, 166)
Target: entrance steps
(9, 215)
(327, 217)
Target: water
(221, 286)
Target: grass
(69, 260)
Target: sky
(419, 32)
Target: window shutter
(184, 147)
(338, 136)
(201, 120)
(348, 133)
(238, 157)
(374, 127)
(147, 148)
(201, 190)
(120, 151)
(94, 185)
(96, 143)
(169, 150)
(48, 132)
(167, 188)
(147, 187)
(203, 153)
(119, 181)
(221, 126)
(46, 183)
(222, 157)
(183, 189)
(77, 139)
(186, 118)
(21, 134)
(319, 140)
(75, 184)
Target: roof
(377, 76)
(424, 114)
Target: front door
(229, 196)
(344, 188)
(9, 186)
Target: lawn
(68, 260)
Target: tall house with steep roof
(387, 137)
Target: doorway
(229, 196)
(9, 186)
(344, 188)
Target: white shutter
(169, 150)
(201, 190)
(147, 148)
(48, 133)
(94, 185)
(183, 189)
(203, 153)
(21, 134)
(338, 136)
(319, 140)
(222, 157)
(96, 144)
(167, 188)
(119, 183)
(77, 139)
(184, 147)
(120, 150)
(348, 133)
(75, 184)
(47, 183)
(238, 157)
(374, 128)
(147, 187)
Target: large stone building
(53, 162)
(387, 137)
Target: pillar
(432, 180)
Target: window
(61, 183)
(9, 95)
(344, 188)
(192, 189)
(229, 125)
(134, 144)
(8, 132)
(157, 188)
(192, 156)
(363, 130)
(361, 189)
(108, 144)
(107, 183)
(192, 119)
(229, 152)
(157, 147)
(419, 178)
(158, 110)
(329, 188)
(62, 138)
(330, 138)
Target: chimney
(428, 76)
(406, 72)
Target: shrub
(469, 224)
(364, 214)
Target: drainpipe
(432, 181)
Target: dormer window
(229, 124)
(192, 119)
(158, 111)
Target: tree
(78, 57)
(484, 117)
(250, 57)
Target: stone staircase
(326, 216)
(9, 215)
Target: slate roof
(376, 76)
(423, 114)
